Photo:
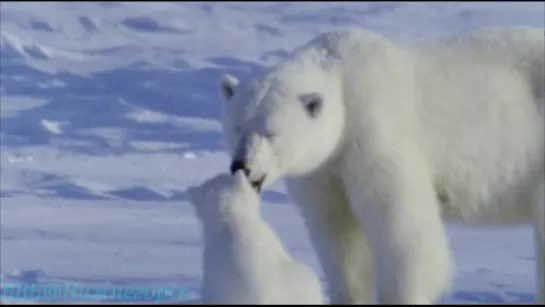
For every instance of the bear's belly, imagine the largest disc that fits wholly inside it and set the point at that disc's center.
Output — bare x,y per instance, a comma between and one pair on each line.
485,202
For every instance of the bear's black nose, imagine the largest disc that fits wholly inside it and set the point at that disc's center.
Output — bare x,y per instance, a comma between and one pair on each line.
239,165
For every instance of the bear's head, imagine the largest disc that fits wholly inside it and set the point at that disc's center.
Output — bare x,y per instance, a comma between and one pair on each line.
287,123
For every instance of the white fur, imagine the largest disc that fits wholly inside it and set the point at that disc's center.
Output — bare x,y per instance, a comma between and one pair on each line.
244,261
408,134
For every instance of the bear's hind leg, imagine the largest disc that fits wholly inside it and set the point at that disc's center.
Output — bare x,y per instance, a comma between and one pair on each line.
539,230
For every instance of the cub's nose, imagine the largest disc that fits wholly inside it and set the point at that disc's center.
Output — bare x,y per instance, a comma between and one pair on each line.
239,165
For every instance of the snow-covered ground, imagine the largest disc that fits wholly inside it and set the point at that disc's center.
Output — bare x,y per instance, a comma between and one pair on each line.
110,110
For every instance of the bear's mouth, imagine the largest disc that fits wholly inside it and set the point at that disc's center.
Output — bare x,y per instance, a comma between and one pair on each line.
257,185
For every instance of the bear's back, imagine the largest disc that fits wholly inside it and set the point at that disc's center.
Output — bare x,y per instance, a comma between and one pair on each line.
521,49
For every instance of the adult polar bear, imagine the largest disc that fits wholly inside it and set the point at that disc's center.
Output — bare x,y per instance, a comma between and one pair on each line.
379,140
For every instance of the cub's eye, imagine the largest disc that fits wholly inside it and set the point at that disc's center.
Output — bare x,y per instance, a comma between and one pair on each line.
238,130
270,135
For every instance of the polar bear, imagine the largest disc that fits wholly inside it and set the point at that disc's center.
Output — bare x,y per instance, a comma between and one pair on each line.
244,261
378,141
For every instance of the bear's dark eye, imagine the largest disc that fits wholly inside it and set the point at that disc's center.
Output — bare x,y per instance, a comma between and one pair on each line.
312,102
313,106
238,130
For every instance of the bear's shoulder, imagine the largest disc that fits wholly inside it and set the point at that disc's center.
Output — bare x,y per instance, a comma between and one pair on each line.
342,38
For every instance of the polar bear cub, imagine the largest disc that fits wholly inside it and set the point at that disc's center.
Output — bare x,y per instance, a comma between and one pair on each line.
244,261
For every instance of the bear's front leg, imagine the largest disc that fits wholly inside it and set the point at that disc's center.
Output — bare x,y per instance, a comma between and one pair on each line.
336,236
394,200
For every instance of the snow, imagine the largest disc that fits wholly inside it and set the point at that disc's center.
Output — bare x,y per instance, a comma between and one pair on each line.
109,111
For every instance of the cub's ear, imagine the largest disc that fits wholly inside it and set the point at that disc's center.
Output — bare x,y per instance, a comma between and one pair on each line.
313,103
228,85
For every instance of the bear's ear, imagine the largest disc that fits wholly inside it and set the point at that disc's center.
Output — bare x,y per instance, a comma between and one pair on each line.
313,103
228,85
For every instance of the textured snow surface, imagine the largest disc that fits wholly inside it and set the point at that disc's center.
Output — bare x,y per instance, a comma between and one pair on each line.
110,110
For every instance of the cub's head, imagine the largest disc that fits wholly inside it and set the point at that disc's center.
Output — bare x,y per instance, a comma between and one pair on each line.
223,198
287,123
